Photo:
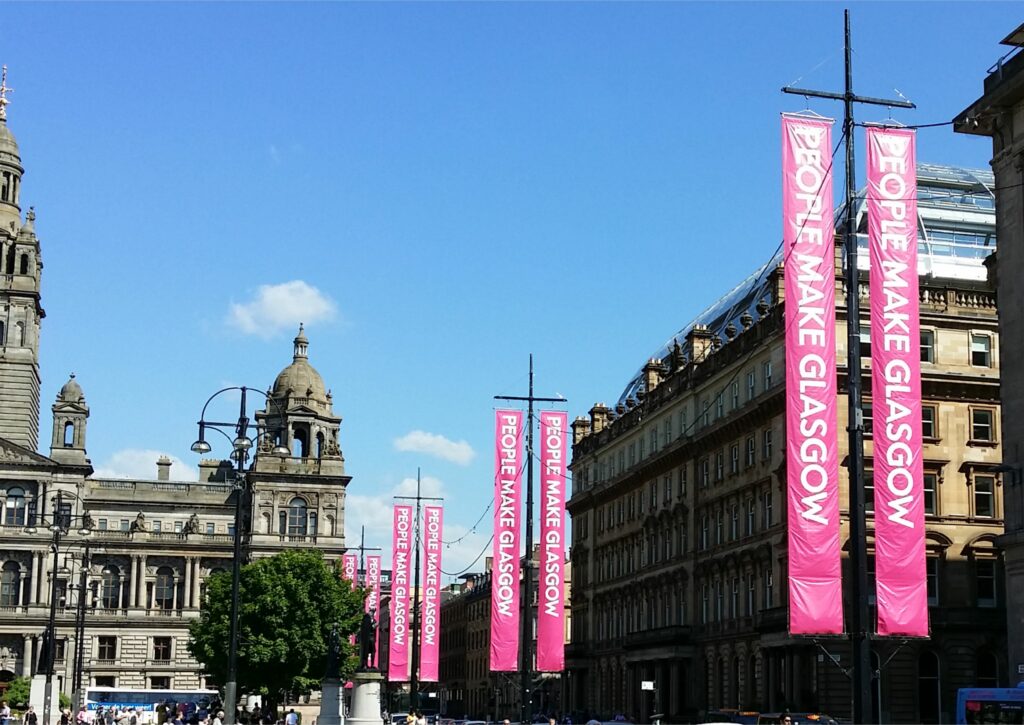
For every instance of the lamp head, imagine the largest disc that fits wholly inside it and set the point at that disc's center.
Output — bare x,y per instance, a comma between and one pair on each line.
200,447
242,443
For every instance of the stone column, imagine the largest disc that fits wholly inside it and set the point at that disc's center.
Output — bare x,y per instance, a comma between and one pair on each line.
142,581
26,658
187,604
33,595
133,583
196,600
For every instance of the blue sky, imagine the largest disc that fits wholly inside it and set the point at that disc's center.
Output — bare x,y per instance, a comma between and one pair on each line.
437,190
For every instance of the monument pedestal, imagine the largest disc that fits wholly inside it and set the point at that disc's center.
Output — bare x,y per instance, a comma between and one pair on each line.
332,704
365,708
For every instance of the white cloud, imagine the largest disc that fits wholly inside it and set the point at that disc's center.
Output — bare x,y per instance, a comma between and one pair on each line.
277,307
436,445
140,464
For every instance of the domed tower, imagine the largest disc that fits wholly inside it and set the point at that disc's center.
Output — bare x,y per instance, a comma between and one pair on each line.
20,308
69,415
300,416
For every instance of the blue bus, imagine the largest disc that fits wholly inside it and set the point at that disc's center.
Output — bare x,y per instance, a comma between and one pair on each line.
1004,705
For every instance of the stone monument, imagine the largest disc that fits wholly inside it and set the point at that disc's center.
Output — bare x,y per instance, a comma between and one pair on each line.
332,691
367,679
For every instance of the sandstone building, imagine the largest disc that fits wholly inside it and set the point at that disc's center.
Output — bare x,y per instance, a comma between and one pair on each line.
678,508
152,543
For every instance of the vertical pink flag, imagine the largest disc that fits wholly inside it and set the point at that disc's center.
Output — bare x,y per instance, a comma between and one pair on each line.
372,604
430,634
812,459
350,570
398,649
902,587
551,606
508,478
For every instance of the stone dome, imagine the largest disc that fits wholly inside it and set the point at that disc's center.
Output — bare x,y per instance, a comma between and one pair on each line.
71,392
300,377
7,141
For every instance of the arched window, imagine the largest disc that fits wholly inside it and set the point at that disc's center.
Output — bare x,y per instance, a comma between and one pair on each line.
986,672
297,522
14,507
319,445
266,524
110,594
329,529
10,584
10,259
69,434
928,691
312,523
164,588
300,443
24,264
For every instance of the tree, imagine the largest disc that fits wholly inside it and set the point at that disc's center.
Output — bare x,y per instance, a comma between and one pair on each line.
18,692
288,604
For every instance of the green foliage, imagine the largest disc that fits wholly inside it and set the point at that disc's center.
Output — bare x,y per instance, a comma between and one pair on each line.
65,701
18,692
287,606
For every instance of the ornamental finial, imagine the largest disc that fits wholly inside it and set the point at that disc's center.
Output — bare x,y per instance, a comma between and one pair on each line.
4,90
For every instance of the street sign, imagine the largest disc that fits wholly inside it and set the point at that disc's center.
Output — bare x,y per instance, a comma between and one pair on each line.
647,685
1020,669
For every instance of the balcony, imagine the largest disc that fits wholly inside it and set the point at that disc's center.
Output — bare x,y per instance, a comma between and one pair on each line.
672,635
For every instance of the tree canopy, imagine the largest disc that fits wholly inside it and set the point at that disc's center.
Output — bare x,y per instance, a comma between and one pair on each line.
288,604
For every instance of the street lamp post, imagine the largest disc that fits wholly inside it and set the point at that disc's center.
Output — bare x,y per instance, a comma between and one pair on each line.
83,583
59,525
241,445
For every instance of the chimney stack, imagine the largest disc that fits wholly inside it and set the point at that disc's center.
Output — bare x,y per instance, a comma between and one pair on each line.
163,469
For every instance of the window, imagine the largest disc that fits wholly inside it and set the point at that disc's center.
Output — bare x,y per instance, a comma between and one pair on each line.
158,526
932,574
104,681
766,508
719,601
719,466
110,591
718,528
766,373
750,451
705,472
750,595
102,524
683,428
162,649
735,598
125,525
734,522
751,385
704,604
654,493
927,346
666,484
865,341
734,391
986,670
928,416
868,415
766,444
163,588
64,515
931,493
981,351
719,407
750,516
211,528
160,683
10,584
106,648
928,690
703,532
297,516
769,589
179,527
734,459
14,507
985,579
982,428
984,496
682,480
869,490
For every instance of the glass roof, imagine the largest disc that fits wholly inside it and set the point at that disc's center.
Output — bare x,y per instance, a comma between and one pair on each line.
956,231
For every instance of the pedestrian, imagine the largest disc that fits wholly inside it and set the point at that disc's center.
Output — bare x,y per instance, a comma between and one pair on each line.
218,719
420,720
5,713
291,718
30,717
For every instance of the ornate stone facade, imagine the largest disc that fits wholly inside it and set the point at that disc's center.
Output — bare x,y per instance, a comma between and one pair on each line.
678,508
153,543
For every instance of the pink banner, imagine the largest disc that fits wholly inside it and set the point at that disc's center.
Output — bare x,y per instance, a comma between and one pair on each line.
398,648
551,607
430,642
372,604
812,460
902,586
508,477
350,568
